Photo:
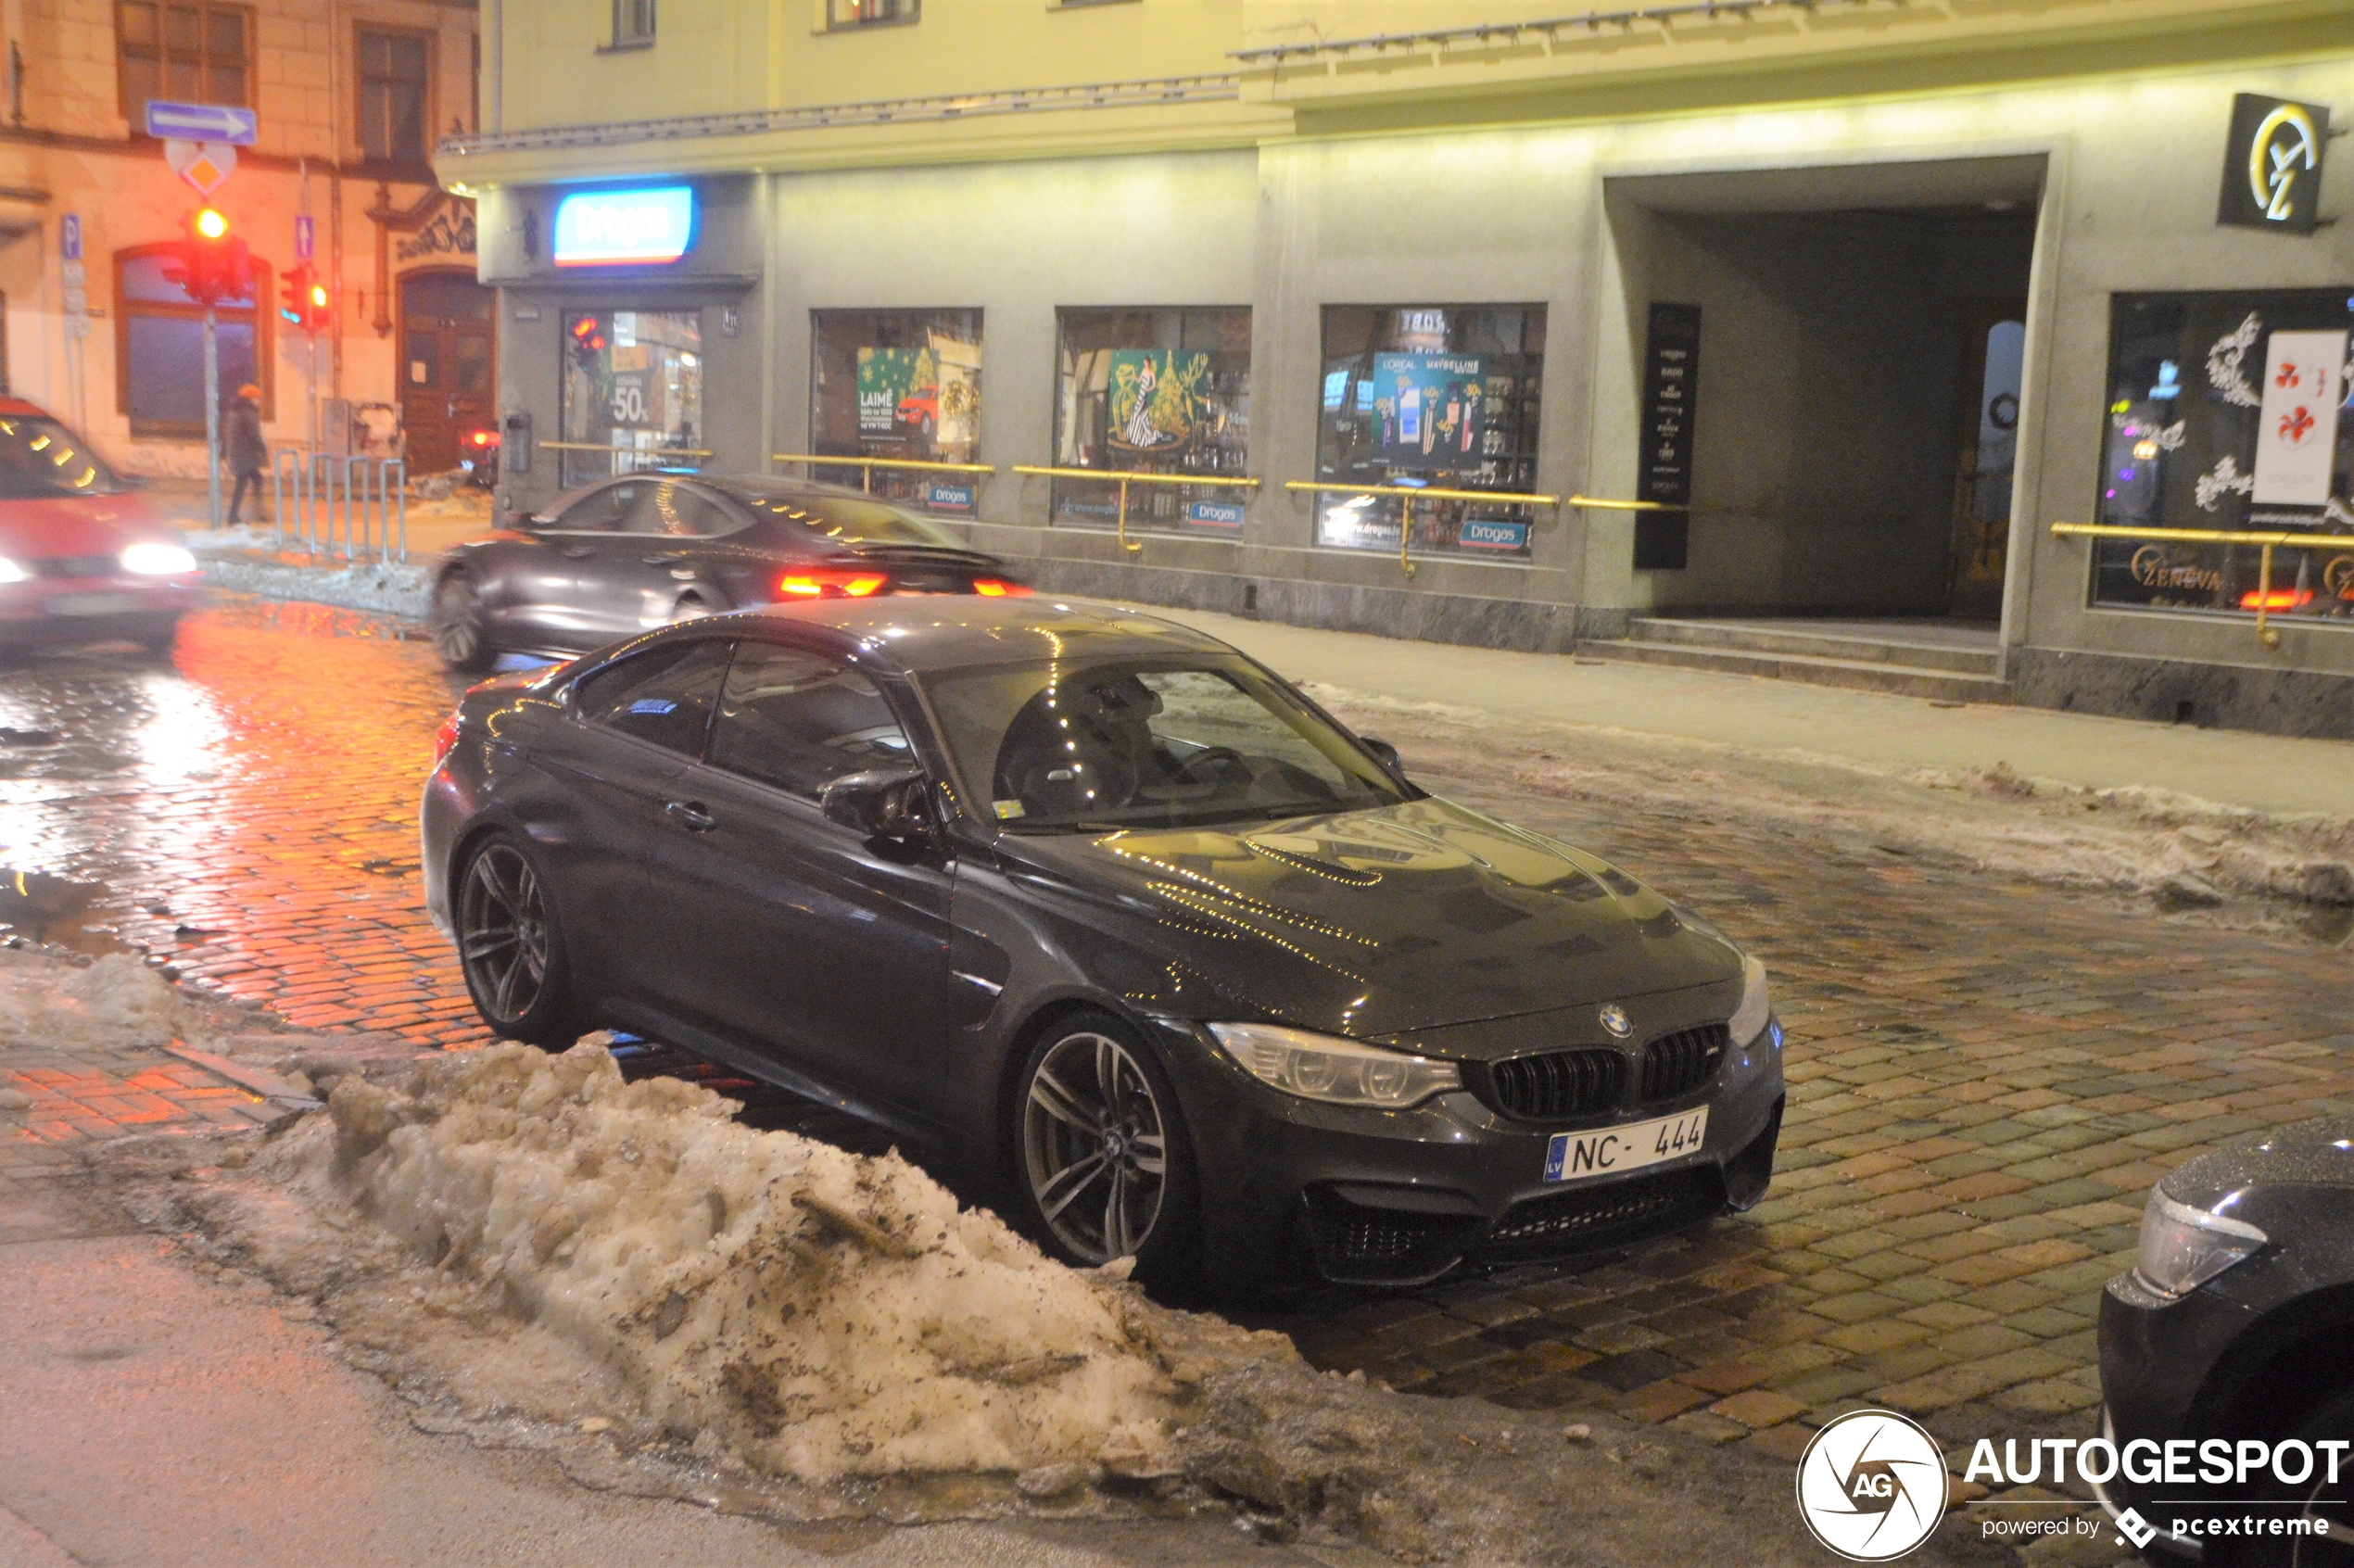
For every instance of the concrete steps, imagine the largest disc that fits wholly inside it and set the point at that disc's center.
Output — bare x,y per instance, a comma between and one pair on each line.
1924,661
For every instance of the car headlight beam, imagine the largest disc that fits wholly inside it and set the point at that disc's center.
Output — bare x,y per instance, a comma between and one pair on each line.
10,571
2184,1247
1340,1072
151,559
1756,1004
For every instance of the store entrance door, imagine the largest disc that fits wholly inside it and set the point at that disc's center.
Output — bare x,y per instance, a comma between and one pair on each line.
448,369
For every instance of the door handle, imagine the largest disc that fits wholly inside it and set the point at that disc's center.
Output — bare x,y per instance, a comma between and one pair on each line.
575,552
661,560
690,814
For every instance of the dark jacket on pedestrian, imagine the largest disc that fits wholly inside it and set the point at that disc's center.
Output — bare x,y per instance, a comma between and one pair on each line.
242,446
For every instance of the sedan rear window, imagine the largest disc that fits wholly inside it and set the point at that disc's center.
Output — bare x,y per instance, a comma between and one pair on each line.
851,520
1147,744
39,457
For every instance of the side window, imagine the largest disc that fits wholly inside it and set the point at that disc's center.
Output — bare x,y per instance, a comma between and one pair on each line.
600,510
800,722
663,695
673,508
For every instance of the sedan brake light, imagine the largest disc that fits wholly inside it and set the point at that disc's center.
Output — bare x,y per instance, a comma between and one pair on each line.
822,584
998,587
445,737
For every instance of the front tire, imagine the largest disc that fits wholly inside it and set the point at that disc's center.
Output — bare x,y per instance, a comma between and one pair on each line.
2316,1499
511,947
461,629
1102,1167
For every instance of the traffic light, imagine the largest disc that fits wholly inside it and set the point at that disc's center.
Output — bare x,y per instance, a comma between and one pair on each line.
293,294
211,264
588,342
303,300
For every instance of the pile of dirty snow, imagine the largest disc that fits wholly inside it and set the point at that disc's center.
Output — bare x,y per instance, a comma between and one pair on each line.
817,1313
390,587
117,1001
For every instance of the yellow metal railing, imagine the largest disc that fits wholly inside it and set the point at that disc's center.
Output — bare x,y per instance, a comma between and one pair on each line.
2266,543
1412,493
1596,503
1126,477
866,465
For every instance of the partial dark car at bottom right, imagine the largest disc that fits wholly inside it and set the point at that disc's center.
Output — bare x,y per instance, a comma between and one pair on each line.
2228,1350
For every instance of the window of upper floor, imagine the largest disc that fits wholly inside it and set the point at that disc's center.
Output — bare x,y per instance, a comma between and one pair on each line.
199,54
844,16
633,24
394,78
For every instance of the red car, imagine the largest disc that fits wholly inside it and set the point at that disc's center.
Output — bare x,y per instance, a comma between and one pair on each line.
83,558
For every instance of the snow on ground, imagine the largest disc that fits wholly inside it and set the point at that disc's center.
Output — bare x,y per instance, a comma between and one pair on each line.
539,1256
2179,850
388,588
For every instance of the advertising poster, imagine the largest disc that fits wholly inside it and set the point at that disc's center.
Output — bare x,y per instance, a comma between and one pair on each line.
1431,409
890,381
1155,400
2296,423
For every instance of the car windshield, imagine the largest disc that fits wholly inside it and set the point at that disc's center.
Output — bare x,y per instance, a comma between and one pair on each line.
847,520
39,457
1145,743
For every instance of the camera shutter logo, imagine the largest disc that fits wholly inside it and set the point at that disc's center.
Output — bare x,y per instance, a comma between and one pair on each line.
1871,1486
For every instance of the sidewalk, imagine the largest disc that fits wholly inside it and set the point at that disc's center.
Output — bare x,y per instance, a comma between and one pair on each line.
2231,768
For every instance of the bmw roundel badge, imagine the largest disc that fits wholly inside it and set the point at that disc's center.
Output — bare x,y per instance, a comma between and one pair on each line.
1615,1020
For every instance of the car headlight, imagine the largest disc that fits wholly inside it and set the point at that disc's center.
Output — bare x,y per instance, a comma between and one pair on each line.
148,559
2184,1247
1756,1005
10,571
1341,1072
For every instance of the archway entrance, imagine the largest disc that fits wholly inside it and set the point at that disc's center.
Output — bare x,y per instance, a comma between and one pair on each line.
449,364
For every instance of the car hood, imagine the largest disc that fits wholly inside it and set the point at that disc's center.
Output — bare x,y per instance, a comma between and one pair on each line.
1373,923
46,526
2319,1153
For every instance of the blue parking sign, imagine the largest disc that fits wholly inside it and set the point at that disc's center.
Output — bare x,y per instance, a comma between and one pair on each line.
302,238
69,236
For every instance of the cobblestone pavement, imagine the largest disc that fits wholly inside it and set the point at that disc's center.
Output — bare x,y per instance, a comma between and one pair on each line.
1986,1076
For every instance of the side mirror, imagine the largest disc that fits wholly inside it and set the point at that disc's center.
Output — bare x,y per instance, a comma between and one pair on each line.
886,803
1386,754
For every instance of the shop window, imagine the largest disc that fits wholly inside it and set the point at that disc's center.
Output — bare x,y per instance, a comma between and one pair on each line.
2227,411
1154,391
393,73
632,384
160,345
183,54
846,13
1442,396
633,24
899,385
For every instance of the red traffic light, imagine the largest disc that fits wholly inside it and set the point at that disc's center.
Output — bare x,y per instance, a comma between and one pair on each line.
211,264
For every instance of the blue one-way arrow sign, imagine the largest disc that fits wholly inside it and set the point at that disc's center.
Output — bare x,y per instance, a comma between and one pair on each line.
201,122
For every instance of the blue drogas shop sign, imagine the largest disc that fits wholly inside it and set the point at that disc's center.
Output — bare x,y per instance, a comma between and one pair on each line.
624,228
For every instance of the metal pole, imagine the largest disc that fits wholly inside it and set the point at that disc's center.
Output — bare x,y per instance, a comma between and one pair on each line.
213,412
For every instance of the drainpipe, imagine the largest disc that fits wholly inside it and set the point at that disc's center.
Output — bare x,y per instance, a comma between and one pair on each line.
492,114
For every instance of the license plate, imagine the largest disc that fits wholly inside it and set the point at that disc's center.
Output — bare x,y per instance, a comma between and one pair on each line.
91,603
1606,1151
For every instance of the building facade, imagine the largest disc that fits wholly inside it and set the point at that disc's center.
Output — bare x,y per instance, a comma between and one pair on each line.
1851,301
348,99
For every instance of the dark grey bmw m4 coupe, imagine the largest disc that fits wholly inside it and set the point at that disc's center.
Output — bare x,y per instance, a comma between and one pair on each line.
1128,934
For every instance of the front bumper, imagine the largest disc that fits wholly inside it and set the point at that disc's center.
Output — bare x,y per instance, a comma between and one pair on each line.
63,610
1293,1187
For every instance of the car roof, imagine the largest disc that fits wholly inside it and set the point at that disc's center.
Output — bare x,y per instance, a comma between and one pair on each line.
918,633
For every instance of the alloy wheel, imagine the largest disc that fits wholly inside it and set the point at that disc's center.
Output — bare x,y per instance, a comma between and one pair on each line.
1094,1146
457,624
503,934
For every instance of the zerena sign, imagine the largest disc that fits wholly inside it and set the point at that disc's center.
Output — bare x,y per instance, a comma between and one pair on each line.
624,228
2272,172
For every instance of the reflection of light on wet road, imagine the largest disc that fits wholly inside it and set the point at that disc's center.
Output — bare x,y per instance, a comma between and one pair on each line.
250,815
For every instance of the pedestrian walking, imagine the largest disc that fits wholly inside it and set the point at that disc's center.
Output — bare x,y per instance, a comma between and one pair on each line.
244,450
